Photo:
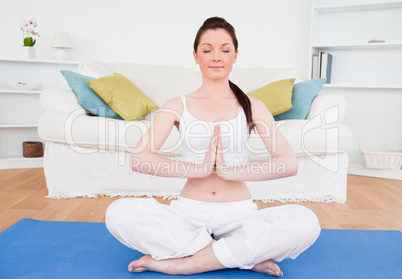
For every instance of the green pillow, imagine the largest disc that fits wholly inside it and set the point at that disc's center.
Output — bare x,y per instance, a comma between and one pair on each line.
277,96
123,96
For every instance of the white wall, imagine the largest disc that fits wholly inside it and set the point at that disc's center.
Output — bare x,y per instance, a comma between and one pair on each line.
270,33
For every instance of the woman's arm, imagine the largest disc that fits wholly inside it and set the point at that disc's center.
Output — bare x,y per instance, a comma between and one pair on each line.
145,159
282,162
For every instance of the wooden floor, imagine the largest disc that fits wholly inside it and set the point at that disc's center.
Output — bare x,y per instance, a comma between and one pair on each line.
372,203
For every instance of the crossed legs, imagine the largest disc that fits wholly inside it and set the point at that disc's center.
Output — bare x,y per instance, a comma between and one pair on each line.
183,246
202,261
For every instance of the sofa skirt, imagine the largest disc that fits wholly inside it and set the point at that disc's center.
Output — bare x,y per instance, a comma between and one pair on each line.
73,171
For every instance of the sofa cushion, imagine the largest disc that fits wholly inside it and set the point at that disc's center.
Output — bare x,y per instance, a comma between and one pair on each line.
160,83
86,96
302,97
96,69
277,96
60,100
328,106
123,96
252,78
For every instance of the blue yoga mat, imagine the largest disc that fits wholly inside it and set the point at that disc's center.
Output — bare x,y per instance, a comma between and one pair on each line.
48,249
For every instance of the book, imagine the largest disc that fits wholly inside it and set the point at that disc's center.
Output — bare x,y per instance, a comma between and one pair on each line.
314,72
319,63
326,65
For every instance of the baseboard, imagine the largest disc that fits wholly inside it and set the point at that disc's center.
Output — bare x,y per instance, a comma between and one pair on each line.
21,163
359,169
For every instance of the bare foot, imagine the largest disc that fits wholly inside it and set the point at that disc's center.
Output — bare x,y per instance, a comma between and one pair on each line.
202,261
140,265
167,266
268,267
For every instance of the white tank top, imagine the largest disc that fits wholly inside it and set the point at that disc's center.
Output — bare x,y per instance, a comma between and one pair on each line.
196,135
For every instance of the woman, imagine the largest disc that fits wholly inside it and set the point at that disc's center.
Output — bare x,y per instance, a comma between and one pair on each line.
213,224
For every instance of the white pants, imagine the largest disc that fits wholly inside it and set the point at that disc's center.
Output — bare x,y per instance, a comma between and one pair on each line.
245,236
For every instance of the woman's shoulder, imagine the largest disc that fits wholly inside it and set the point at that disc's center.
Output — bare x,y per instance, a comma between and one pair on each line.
177,102
174,106
253,100
173,102
256,104
258,109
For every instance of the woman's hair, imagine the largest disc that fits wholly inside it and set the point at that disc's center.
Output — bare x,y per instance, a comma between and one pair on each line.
220,23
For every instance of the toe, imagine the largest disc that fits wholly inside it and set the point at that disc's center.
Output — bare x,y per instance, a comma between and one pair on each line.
137,270
131,266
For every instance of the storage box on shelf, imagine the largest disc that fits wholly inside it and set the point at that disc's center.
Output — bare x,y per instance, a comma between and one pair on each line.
20,110
366,74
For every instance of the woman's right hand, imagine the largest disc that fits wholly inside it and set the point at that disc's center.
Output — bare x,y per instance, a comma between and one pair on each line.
211,155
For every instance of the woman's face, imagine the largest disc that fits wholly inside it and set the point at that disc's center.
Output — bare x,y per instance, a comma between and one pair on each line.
215,54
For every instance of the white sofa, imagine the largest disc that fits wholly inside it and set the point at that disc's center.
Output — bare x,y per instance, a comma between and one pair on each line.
89,156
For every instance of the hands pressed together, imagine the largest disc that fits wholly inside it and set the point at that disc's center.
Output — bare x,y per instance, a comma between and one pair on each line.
214,161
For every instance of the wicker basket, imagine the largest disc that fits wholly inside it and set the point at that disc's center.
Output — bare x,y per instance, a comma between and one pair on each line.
382,159
32,149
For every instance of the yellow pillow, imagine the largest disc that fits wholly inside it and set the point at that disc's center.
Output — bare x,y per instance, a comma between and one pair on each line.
123,96
277,96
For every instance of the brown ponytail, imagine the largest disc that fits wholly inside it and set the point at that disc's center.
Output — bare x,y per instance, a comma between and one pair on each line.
216,23
243,99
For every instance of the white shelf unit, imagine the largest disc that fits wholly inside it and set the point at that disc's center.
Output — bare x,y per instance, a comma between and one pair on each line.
20,110
359,46
20,91
362,86
19,125
364,6
368,75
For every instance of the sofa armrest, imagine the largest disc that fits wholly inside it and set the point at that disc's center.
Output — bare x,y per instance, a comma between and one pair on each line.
60,100
331,107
